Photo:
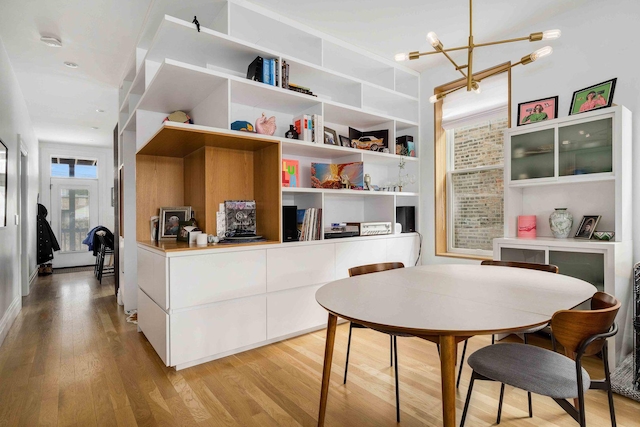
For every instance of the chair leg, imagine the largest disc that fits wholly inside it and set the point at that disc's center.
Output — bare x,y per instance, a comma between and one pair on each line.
395,351
464,350
493,339
554,345
530,405
581,414
438,347
500,403
607,377
466,403
391,349
346,364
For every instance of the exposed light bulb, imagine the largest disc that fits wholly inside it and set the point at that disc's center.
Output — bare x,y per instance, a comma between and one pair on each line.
401,57
434,98
587,135
433,39
541,53
475,86
581,132
551,34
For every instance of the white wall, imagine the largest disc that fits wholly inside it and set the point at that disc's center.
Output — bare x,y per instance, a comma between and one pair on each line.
597,44
15,123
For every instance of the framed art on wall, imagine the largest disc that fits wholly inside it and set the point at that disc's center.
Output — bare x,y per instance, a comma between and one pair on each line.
4,156
537,111
170,218
593,97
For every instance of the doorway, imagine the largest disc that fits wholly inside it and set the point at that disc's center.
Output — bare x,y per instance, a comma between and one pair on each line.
74,206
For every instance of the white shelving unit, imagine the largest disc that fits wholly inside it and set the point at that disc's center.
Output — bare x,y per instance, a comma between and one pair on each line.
582,163
175,67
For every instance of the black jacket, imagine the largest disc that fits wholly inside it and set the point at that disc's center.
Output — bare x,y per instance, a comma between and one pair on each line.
47,242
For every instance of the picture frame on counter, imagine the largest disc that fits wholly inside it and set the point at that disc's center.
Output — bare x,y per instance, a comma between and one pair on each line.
170,218
587,226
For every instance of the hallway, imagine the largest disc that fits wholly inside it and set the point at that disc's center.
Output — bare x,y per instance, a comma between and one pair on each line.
72,359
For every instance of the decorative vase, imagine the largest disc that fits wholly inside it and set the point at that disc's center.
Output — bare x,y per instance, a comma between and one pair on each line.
560,222
291,133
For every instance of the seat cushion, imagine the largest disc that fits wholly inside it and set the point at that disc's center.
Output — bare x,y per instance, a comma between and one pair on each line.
529,368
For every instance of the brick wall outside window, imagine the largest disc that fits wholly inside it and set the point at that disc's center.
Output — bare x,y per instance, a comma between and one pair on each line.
478,196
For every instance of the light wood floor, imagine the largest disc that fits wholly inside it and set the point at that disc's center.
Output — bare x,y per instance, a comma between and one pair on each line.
71,359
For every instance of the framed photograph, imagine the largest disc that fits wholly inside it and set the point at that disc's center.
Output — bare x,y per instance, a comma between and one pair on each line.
587,226
536,111
345,141
330,136
593,97
170,218
4,156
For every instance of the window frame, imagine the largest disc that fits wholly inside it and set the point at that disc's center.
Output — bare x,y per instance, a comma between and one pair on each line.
82,158
442,179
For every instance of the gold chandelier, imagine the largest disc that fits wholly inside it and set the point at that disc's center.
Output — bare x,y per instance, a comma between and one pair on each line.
472,84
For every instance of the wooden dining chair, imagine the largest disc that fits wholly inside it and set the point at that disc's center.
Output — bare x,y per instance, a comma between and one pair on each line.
541,371
530,266
368,269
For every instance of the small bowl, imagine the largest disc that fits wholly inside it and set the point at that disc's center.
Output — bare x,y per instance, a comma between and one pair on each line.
603,235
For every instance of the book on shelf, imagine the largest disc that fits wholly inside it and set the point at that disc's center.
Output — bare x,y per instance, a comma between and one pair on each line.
266,71
255,69
311,224
304,126
299,89
285,75
272,72
317,126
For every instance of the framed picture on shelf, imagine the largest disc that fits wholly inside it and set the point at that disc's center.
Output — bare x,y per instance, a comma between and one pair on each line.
587,226
345,141
170,218
4,156
330,136
593,97
536,111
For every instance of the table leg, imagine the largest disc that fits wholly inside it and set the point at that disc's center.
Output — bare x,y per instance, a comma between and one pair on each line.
448,379
326,370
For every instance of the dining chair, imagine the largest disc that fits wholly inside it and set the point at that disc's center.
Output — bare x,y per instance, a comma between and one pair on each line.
393,351
530,266
545,372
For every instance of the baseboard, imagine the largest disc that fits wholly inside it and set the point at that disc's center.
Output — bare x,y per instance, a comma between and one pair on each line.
9,317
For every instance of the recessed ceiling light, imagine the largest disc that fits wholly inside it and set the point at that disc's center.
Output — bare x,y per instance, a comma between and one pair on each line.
71,64
581,132
99,111
566,142
51,41
587,136
95,127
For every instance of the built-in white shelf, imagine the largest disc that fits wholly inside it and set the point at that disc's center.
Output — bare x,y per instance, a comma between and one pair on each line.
345,192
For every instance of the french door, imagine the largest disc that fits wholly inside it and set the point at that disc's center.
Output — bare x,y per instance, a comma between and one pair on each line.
74,211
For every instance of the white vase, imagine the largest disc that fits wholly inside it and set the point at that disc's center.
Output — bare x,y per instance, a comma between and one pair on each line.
560,222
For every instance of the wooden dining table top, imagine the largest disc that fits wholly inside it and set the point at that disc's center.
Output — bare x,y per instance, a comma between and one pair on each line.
453,299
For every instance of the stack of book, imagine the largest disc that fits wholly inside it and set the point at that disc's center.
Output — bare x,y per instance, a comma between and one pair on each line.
265,71
309,128
310,228
291,86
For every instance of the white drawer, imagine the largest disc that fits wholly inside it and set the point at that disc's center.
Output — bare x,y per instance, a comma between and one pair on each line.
352,254
300,266
152,277
294,310
403,249
217,328
203,279
154,323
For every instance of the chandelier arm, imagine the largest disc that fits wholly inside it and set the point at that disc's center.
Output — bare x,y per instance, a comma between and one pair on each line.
470,50
433,52
519,39
454,63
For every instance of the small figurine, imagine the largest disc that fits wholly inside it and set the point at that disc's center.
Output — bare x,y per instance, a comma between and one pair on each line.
266,126
291,133
344,180
367,182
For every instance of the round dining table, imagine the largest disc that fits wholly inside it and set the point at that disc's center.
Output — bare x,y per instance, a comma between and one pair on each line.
446,304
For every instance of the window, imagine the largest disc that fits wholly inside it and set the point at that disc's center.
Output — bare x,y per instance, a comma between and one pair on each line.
469,165
74,168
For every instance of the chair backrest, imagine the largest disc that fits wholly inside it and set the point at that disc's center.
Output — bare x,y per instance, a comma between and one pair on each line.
374,268
531,266
572,327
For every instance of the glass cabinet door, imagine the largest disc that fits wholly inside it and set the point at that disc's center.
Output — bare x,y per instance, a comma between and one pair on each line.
586,266
522,255
586,148
532,155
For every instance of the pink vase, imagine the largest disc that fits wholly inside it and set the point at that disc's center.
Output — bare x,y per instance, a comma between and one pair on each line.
527,226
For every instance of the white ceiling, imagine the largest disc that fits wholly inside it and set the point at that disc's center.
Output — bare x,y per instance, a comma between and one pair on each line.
100,36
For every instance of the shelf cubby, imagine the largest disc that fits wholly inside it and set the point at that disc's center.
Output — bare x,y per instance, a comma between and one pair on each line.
389,103
271,33
407,83
367,206
358,65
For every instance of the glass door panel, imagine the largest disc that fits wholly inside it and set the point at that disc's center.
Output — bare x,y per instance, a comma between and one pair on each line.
74,219
522,255
586,266
586,148
532,155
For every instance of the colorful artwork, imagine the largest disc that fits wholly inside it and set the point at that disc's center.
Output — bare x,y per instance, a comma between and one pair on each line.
328,175
593,97
290,173
537,111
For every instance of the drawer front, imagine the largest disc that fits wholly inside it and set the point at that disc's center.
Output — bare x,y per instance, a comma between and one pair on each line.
152,277
404,250
352,254
300,266
217,328
204,279
154,323
294,310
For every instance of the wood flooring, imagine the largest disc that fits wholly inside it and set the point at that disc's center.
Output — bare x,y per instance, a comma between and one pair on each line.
71,359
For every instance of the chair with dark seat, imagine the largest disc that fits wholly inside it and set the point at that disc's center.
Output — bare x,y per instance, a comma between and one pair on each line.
545,372
101,269
531,266
368,269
